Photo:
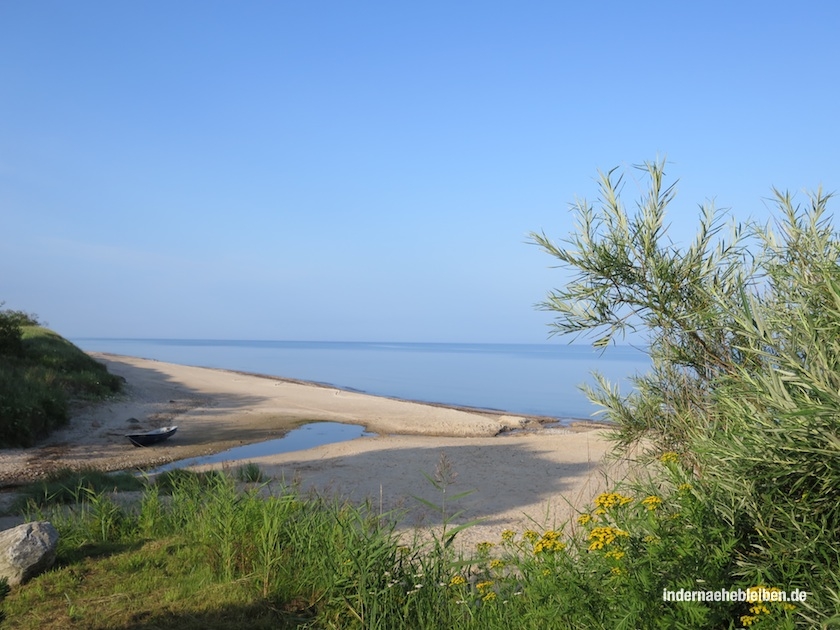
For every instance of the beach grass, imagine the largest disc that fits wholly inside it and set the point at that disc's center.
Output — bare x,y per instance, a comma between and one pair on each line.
208,552
41,376
66,487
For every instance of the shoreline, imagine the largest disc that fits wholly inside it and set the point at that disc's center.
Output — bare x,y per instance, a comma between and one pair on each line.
572,422
539,379
218,409
517,471
490,411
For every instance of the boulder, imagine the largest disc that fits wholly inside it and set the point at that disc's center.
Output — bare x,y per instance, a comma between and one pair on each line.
26,551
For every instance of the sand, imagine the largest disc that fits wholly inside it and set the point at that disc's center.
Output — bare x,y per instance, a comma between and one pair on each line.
518,473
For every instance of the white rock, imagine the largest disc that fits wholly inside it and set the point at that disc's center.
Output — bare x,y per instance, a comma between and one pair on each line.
27,550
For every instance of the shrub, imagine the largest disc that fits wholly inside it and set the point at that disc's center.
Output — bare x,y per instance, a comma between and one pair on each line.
11,336
742,335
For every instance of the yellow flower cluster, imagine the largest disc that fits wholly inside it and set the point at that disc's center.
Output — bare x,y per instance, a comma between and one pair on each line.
616,571
608,500
652,502
756,610
483,586
484,547
760,607
457,580
530,535
684,487
495,563
550,541
669,458
615,554
489,597
583,519
602,536
508,535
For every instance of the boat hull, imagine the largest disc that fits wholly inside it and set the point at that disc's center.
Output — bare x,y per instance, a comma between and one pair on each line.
151,437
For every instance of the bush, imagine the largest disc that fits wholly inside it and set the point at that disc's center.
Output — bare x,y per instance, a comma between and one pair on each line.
744,387
11,336
21,318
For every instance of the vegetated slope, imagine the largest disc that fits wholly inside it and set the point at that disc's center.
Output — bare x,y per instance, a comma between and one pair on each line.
41,373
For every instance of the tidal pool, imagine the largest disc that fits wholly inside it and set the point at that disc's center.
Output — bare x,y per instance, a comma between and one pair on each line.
302,438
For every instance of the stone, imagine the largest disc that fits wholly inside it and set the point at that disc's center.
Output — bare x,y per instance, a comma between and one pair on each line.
27,550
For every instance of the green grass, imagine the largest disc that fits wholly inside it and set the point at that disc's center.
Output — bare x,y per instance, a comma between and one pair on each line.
39,381
250,473
66,486
210,555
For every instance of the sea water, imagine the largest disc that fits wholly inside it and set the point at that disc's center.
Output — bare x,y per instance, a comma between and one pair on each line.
534,379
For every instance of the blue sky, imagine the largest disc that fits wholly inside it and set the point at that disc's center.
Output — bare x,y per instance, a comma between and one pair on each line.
370,170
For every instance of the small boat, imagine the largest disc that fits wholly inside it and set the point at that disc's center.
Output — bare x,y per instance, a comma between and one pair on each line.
152,437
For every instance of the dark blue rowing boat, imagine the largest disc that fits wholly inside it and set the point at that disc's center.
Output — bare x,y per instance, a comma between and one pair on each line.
152,437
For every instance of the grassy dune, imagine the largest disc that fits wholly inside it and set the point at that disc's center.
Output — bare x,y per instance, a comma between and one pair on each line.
39,379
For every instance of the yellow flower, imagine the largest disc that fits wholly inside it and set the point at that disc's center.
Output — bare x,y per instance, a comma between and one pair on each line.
546,572
747,620
489,597
600,511
604,536
669,458
495,563
508,535
583,519
608,500
616,571
652,502
530,535
684,487
457,580
484,547
550,541
549,545
614,553
483,586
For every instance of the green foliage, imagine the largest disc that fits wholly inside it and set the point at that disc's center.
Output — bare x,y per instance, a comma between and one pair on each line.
11,330
40,374
4,590
250,473
20,318
444,477
66,487
744,383
212,556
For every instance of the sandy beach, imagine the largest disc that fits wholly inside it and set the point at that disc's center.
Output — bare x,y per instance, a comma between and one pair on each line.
519,472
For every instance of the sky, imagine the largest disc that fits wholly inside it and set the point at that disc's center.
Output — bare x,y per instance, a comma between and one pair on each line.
370,171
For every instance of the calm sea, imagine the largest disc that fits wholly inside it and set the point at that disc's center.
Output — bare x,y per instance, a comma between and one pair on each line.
539,379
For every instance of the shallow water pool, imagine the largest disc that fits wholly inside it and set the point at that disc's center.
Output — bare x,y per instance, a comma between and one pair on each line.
302,438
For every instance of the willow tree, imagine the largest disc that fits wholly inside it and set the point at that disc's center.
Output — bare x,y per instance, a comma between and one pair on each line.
743,330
